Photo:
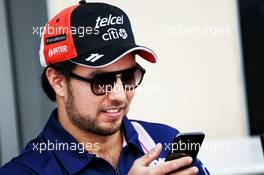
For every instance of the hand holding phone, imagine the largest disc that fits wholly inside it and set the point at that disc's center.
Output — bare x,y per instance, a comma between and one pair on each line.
140,166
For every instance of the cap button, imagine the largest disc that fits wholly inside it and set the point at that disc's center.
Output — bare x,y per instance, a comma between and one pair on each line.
82,2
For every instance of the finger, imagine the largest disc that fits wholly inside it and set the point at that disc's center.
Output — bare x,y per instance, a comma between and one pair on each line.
150,156
188,171
173,165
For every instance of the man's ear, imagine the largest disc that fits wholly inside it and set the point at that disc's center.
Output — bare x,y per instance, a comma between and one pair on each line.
57,81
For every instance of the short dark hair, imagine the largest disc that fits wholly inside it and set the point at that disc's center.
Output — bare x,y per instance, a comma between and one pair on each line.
60,67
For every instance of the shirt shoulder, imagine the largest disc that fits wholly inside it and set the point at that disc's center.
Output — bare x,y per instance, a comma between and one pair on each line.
31,161
21,164
15,168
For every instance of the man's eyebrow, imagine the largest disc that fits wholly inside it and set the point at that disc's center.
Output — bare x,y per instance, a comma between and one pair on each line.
95,72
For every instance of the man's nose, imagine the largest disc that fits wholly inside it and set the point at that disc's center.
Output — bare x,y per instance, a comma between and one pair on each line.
118,93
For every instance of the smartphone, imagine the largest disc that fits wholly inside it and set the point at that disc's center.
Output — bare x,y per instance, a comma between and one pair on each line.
262,142
185,144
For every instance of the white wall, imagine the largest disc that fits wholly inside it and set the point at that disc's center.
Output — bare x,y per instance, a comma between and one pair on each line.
197,83
8,126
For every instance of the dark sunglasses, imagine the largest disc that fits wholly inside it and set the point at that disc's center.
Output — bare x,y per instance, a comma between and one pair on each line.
104,83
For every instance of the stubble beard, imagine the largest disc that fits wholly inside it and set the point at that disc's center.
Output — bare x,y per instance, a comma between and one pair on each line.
87,122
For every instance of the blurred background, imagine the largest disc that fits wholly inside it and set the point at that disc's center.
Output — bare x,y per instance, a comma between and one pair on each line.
208,77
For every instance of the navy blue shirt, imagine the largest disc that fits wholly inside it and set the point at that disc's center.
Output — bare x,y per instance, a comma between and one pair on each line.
55,151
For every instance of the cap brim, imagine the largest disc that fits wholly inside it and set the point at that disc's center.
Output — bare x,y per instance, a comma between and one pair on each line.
108,55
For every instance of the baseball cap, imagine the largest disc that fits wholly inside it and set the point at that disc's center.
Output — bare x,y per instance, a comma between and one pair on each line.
91,35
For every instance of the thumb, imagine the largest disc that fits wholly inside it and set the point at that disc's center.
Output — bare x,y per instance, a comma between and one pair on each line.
150,156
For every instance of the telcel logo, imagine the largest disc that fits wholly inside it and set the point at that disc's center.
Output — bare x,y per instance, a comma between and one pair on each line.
111,20
57,50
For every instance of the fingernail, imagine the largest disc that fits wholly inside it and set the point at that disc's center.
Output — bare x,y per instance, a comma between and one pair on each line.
158,145
195,170
189,159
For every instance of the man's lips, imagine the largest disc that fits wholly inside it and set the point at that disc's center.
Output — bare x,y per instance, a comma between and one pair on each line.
113,109
114,112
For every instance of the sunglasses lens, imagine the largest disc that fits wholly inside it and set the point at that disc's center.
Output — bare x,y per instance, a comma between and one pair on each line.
103,84
131,79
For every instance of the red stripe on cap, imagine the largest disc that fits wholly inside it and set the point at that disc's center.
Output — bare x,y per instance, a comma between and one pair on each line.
59,25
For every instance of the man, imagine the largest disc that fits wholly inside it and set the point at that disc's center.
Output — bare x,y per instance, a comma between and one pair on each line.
92,79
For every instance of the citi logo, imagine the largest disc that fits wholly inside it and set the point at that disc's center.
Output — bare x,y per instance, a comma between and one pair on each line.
94,57
111,20
113,33
57,50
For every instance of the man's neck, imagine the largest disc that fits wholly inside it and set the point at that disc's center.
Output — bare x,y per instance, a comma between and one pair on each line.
106,147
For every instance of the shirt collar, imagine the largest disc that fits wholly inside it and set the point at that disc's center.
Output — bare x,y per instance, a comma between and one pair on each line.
74,160
131,135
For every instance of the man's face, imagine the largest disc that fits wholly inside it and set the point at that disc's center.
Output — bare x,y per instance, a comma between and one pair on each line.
101,115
